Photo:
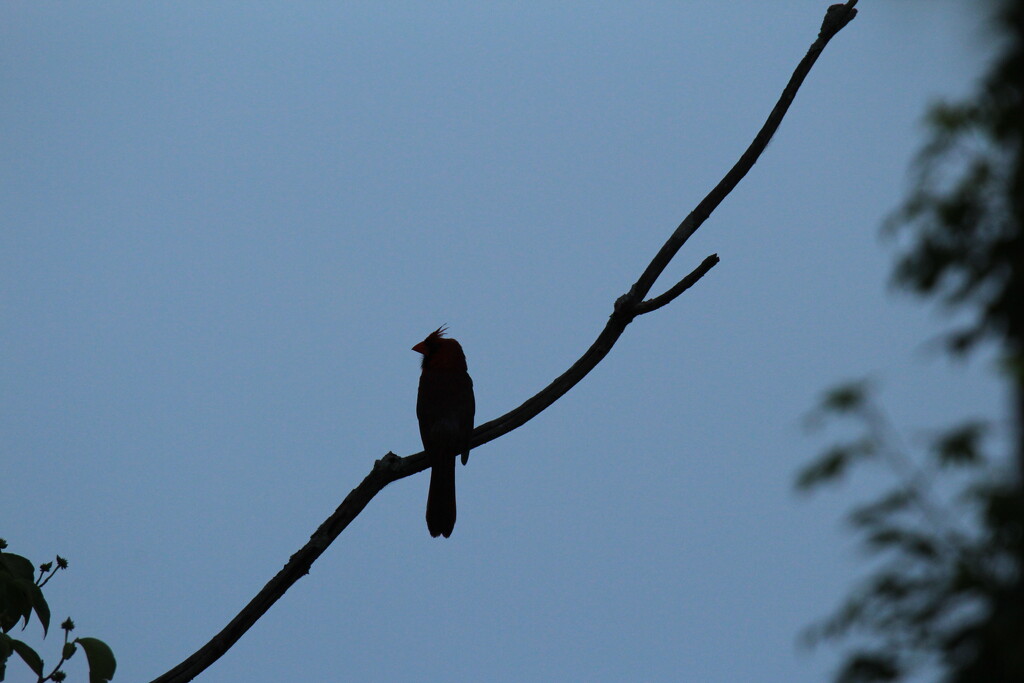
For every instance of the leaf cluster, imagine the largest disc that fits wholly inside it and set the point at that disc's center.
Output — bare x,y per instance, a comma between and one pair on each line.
944,591
961,223
21,596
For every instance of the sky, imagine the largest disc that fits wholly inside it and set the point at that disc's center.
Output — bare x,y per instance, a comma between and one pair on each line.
224,225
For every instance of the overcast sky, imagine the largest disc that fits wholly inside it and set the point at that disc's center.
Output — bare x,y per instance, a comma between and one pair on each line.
223,226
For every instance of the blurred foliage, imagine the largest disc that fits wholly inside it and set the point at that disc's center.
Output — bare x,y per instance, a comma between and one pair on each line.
961,224
945,597
941,593
21,596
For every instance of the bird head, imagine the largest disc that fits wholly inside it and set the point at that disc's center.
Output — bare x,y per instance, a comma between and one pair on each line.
440,352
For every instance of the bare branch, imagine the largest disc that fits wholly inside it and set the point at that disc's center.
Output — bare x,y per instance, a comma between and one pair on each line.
836,17
392,468
678,288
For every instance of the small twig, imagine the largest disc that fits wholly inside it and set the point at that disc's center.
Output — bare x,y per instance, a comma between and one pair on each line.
914,479
678,288
63,658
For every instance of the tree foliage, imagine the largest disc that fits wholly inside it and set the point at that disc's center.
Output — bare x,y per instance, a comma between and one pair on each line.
947,591
962,219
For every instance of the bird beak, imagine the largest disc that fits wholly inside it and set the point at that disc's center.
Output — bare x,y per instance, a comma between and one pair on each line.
420,348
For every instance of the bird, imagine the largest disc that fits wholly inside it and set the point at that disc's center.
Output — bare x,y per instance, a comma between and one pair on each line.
445,407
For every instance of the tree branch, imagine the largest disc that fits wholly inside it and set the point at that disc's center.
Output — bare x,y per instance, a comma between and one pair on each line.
836,18
678,288
392,467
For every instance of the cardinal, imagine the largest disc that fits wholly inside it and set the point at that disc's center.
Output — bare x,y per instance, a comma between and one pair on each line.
444,407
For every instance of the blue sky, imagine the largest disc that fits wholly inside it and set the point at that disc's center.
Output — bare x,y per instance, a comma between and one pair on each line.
224,226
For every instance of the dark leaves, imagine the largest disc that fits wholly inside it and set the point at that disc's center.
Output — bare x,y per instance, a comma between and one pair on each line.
21,596
832,464
870,667
101,659
29,656
960,446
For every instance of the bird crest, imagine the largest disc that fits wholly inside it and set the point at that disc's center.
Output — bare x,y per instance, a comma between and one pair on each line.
437,334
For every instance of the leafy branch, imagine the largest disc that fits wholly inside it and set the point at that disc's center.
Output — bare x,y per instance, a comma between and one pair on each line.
929,597
21,596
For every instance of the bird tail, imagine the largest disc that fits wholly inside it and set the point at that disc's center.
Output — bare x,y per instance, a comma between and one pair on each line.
441,498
